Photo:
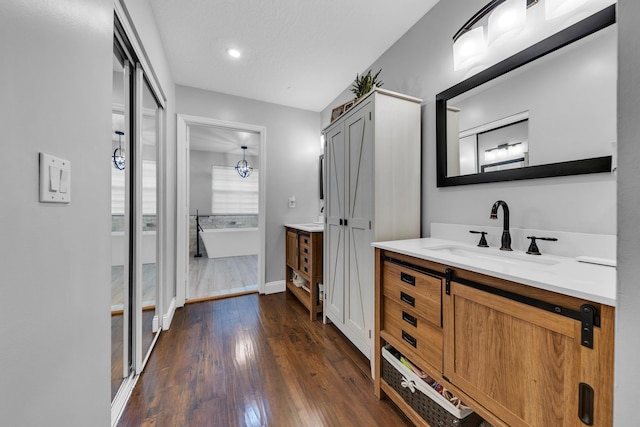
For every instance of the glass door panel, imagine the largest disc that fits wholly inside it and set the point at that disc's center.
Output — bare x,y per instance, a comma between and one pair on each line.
120,191
149,218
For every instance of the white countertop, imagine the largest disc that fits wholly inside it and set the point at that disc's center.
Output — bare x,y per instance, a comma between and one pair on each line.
311,227
559,274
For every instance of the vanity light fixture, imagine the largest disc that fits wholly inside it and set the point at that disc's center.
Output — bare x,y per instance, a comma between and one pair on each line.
505,17
468,48
243,167
118,153
504,151
556,8
234,53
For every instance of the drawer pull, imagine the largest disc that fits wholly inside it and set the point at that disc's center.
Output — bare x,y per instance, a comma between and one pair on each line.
408,338
409,319
306,251
407,278
408,299
306,270
306,241
306,260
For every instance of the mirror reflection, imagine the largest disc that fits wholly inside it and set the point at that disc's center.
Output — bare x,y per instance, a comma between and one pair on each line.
558,108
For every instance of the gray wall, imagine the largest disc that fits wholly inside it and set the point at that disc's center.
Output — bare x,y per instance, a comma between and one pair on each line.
293,146
55,259
421,64
627,372
200,163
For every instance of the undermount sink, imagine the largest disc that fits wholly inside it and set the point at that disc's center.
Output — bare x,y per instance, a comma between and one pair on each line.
487,254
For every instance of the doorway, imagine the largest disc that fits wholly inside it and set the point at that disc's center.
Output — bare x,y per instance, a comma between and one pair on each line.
221,233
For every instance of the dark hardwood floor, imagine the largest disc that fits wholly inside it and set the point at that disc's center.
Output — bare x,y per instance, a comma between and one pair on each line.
255,360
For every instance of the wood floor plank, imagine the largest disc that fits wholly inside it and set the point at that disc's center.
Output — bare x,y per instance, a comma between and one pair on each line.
255,360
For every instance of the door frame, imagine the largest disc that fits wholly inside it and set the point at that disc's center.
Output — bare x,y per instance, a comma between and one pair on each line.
182,208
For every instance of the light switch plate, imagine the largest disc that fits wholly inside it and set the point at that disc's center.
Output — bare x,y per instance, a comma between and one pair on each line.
55,179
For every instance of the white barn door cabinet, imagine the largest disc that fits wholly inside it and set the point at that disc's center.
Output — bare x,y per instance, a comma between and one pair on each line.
372,157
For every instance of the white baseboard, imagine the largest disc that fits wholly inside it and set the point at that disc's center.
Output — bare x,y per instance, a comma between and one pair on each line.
275,287
168,316
155,324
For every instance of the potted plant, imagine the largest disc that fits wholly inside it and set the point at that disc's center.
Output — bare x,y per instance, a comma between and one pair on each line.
363,84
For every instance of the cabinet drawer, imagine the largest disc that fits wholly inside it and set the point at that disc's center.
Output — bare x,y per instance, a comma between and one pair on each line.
305,239
413,331
305,246
410,288
304,266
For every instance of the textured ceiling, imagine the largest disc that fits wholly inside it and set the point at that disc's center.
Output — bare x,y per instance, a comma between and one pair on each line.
300,53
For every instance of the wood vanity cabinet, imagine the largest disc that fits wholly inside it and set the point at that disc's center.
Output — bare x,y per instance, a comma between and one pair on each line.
518,355
304,257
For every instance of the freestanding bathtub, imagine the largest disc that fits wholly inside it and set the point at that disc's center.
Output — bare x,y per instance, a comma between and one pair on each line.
226,242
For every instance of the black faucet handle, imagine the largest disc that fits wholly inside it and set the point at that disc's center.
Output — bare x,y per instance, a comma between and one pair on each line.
533,247
483,241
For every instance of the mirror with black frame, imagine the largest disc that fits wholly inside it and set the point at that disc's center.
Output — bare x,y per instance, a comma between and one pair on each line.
549,110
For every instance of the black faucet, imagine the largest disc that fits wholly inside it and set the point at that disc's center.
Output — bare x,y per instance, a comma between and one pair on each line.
506,237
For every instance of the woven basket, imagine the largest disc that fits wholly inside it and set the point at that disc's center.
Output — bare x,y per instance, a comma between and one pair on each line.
427,408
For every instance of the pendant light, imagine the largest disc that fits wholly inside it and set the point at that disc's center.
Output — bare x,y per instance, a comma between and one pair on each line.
118,153
243,167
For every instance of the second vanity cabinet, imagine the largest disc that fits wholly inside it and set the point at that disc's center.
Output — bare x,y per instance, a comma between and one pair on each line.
303,253
518,355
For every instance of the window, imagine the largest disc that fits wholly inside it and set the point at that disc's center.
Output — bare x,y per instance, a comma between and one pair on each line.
232,195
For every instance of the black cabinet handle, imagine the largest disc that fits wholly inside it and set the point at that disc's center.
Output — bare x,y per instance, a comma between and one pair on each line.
409,319
407,278
408,338
306,251
306,270
306,260
408,299
585,403
306,241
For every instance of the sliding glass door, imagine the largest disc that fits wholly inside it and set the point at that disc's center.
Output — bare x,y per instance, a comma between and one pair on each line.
137,123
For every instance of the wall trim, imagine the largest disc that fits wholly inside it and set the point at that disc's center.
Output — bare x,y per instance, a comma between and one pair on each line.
168,316
275,287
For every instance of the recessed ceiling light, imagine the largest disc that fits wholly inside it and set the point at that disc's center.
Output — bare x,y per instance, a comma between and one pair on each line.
234,53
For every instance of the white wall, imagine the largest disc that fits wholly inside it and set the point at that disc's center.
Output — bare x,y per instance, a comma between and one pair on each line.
293,147
421,64
144,22
55,85
627,372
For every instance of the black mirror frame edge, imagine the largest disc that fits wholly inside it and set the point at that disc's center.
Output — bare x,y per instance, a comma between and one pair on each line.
590,25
